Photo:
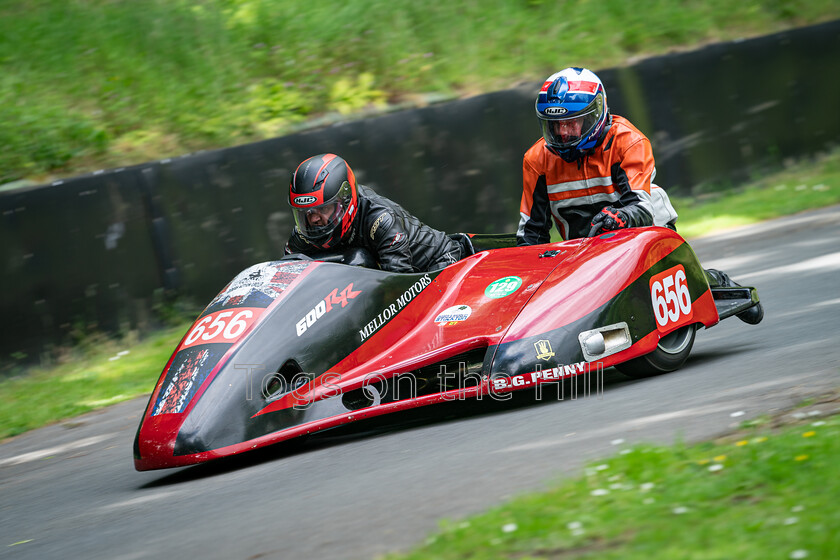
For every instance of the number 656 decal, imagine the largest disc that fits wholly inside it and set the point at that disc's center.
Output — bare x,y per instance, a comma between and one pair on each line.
670,298
222,326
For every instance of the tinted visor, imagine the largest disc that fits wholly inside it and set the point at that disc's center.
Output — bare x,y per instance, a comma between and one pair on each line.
569,131
317,223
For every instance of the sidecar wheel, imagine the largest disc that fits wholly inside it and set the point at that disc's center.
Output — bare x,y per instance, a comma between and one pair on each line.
671,352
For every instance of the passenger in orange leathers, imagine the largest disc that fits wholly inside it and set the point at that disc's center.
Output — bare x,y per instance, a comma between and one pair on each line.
592,171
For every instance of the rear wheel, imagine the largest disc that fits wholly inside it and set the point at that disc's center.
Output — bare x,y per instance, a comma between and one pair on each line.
671,352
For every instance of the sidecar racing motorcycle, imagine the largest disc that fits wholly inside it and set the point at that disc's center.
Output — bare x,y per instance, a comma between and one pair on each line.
297,346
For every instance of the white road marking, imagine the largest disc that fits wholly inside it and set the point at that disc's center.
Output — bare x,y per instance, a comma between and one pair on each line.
824,263
740,262
50,451
142,499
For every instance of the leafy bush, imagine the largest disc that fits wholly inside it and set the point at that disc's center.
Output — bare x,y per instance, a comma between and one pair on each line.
349,96
272,107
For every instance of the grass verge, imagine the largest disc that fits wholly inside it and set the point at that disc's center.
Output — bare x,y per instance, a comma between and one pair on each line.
808,184
764,491
87,85
103,375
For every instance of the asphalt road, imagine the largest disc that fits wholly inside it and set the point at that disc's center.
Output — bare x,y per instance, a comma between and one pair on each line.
71,491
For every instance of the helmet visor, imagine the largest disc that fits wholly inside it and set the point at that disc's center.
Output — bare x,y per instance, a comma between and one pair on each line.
316,223
569,131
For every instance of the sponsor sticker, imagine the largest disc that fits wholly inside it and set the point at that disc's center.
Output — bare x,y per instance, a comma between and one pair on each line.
304,200
555,111
187,372
376,224
325,306
544,351
539,376
258,285
454,315
503,287
393,308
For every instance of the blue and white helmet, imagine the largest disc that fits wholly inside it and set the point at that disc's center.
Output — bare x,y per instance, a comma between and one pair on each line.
572,109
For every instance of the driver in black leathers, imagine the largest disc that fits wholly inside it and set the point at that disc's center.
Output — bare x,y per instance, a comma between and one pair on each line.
332,213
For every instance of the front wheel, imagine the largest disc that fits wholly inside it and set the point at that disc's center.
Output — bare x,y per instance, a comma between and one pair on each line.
671,352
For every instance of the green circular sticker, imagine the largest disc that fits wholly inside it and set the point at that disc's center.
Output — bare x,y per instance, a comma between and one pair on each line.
503,287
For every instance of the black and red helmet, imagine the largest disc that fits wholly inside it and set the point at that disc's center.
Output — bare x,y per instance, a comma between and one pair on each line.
324,200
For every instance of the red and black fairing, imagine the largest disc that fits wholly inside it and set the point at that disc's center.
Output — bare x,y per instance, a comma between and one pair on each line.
331,343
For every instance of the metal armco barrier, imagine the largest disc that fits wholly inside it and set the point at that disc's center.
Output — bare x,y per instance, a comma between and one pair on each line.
97,251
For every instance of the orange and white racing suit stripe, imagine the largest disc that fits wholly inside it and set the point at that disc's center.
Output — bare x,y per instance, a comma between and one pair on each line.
617,172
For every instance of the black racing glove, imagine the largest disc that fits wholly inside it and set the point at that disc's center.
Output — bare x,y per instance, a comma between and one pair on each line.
608,219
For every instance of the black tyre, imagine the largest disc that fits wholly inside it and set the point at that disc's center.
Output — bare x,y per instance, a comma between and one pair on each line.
671,352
